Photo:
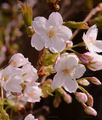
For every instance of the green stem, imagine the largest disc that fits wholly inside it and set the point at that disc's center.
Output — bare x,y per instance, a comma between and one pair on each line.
79,45
83,90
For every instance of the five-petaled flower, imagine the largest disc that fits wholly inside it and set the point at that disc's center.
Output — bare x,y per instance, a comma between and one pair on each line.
91,43
68,70
51,33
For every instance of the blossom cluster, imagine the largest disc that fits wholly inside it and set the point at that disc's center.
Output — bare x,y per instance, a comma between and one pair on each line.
19,78
52,34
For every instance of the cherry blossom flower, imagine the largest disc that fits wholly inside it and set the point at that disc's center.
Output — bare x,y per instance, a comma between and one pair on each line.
50,33
30,117
91,43
68,70
11,79
95,61
19,74
18,60
32,93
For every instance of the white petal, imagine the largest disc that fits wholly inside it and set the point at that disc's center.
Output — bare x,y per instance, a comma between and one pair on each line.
98,46
13,85
29,117
55,19
32,93
71,61
39,24
80,70
58,81
70,85
64,32
92,32
37,42
57,45
68,61
18,60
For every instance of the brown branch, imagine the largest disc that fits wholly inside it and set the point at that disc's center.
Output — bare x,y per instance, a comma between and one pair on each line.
89,16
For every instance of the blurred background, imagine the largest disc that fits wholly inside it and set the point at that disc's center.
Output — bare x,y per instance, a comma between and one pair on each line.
14,38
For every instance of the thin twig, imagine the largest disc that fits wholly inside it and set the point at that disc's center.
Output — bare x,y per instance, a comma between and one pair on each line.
89,16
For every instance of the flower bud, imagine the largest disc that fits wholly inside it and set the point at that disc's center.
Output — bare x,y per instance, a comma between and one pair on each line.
90,100
90,111
69,44
83,82
57,101
85,58
67,98
81,97
94,80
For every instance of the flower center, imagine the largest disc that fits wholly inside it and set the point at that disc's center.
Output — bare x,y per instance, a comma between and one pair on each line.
69,72
66,71
6,77
31,94
51,33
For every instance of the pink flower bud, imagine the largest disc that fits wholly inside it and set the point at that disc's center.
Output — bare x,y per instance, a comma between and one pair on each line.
67,98
90,111
85,58
90,101
81,97
94,80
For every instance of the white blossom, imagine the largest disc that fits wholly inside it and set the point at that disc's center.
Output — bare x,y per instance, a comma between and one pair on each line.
18,60
30,117
50,33
32,93
18,75
68,70
91,43
11,79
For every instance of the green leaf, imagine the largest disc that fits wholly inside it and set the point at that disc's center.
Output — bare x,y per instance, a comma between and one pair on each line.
27,14
76,25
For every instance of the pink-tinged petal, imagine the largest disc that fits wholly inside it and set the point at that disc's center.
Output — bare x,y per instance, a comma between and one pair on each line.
58,81
70,85
96,63
37,42
95,66
65,33
55,19
80,70
57,45
92,32
98,46
39,24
